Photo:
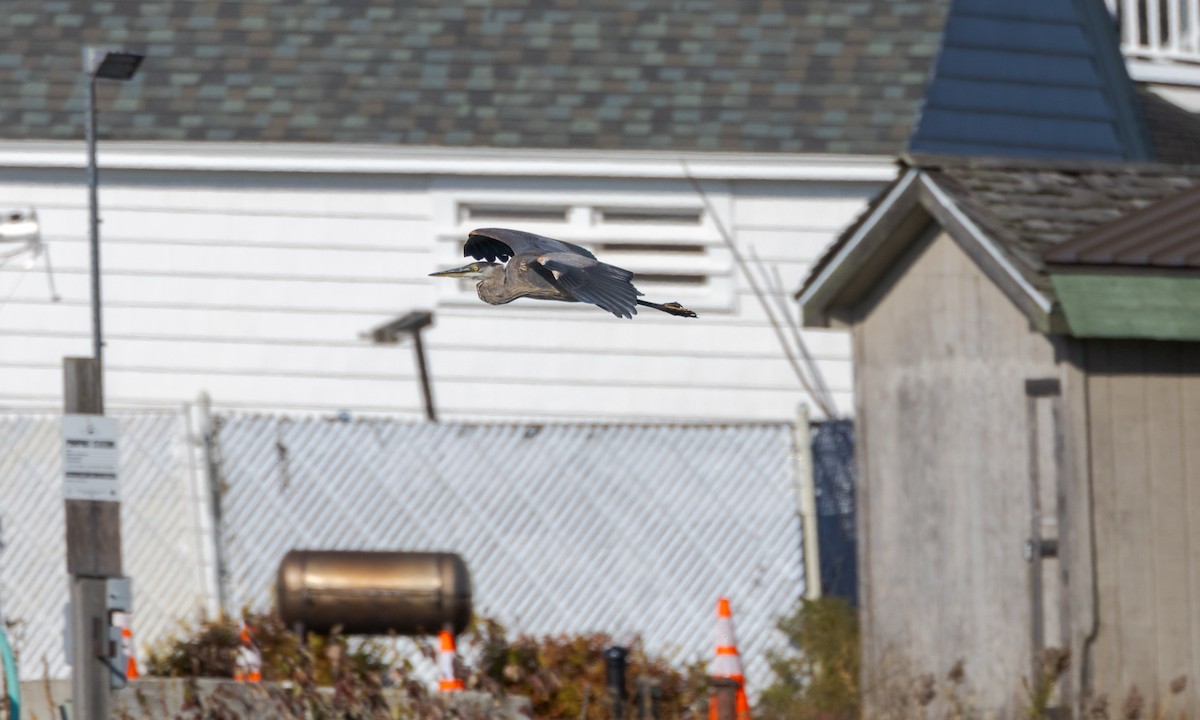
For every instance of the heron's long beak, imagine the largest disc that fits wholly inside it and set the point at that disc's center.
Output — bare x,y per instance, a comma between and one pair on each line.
465,271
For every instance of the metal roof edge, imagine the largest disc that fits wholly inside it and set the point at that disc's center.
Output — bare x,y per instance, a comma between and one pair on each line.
827,283
385,159
822,284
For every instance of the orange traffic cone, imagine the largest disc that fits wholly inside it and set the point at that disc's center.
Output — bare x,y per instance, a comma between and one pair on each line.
121,620
248,667
727,663
446,656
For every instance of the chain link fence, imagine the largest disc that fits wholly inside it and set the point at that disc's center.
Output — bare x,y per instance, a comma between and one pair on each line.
163,545
625,529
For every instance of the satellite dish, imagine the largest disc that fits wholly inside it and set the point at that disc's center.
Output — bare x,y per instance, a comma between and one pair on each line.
21,235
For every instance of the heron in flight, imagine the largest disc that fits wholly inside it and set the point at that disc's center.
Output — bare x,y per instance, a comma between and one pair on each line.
539,267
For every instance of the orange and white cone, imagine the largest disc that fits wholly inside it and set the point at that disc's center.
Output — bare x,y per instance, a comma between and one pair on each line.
121,620
248,666
446,656
727,663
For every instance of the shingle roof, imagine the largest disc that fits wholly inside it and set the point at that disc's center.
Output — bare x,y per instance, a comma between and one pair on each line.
1029,207
1174,132
835,76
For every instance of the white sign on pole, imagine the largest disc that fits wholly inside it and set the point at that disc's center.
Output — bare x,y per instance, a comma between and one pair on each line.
90,458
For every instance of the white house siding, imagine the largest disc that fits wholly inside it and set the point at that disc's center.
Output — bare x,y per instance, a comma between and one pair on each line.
250,276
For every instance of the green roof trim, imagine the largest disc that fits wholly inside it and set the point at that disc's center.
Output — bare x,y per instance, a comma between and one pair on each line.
1159,306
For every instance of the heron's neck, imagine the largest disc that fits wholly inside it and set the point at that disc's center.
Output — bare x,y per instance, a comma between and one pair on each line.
493,290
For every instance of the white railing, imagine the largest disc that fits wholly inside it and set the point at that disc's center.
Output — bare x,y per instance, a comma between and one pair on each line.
1165,33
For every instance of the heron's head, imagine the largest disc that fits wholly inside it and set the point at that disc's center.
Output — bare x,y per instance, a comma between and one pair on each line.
477,270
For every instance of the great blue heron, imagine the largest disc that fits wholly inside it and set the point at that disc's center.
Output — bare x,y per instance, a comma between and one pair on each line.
539,267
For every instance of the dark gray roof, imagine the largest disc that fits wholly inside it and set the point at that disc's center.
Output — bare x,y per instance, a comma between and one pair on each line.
1031,78
837,76
1174,132
1029,207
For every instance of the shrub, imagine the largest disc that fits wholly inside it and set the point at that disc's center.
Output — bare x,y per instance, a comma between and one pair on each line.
819,678
354,669
564,676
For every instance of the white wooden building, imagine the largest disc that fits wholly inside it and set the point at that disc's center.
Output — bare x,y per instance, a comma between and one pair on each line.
278,180
251,273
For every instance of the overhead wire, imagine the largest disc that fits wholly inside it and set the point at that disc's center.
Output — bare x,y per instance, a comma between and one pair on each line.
817,396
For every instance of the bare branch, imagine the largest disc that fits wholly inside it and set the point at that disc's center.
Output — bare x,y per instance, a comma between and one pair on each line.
783,299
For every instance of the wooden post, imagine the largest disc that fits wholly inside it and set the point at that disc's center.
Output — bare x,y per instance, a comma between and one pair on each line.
724,692
93,556
806,499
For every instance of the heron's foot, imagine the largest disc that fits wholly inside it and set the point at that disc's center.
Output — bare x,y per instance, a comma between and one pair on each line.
676,309
672,308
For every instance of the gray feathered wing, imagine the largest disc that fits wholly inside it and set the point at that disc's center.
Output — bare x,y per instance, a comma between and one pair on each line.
591,281
501,243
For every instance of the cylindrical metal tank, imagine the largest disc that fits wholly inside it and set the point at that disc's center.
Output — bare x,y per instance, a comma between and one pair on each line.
374,593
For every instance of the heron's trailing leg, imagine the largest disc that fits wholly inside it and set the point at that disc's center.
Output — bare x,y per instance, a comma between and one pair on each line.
672,308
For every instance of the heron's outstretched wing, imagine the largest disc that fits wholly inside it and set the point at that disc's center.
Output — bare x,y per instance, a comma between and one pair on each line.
591,281
491,243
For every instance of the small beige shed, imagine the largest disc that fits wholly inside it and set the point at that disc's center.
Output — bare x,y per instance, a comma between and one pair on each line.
1026,342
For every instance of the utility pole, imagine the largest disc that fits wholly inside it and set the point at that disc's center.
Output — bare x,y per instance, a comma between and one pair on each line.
93,556
90,451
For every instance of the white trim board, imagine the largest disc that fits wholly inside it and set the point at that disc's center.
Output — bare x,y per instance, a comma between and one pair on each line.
863,230
379,159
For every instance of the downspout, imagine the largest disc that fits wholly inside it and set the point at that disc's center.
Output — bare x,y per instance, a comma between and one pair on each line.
1085,661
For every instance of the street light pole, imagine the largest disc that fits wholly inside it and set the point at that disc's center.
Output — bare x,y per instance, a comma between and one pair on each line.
93,181
93,522
411,324
110,64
